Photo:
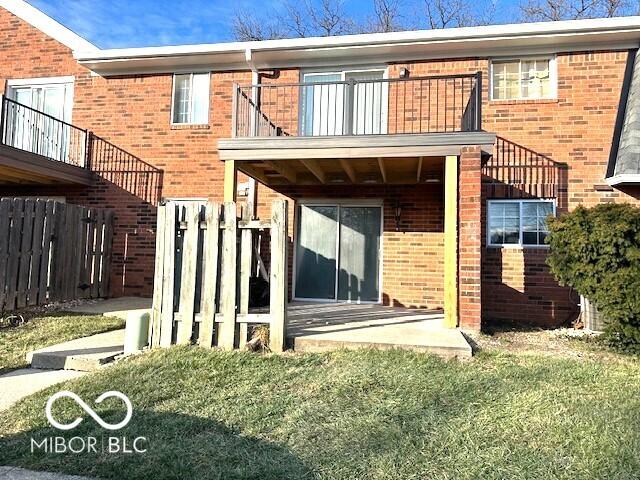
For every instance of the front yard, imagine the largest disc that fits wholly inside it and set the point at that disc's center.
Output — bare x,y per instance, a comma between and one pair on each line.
42,331
349,415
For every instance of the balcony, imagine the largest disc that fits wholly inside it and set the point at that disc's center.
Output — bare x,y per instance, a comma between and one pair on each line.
359,131
37,148
436,104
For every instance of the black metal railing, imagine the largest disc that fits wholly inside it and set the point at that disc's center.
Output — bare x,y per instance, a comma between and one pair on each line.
31,130
515,171
434,104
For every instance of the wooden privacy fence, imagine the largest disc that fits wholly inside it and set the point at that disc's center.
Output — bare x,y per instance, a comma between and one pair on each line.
205,258
51,251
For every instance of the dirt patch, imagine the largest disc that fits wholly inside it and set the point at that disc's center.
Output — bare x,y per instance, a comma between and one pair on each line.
559,342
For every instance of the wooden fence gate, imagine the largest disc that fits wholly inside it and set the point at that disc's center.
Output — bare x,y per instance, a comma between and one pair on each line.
205,259
52,251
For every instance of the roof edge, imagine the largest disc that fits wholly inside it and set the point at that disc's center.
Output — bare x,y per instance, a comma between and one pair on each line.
516,30
623,179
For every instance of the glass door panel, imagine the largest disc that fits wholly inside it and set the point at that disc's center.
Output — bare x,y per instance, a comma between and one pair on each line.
369,103
317,233
322,105
358,276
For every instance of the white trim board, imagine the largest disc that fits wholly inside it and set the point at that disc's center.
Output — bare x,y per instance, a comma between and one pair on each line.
47,25
365,49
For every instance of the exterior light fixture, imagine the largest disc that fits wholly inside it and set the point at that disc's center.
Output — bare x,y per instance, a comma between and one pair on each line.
397,209
404,72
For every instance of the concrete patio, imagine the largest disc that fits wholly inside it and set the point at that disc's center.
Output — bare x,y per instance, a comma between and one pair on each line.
326,326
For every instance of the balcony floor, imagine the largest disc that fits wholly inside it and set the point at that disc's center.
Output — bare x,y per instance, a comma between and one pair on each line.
364,159
19,167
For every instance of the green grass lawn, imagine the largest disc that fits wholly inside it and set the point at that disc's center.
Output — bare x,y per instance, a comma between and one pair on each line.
349,415
39,332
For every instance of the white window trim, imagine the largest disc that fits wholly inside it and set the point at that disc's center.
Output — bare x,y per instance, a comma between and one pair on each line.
553,76
16,83
520,201
173,94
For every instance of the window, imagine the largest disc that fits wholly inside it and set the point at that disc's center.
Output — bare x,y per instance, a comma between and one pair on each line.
521,79
190,98
520,222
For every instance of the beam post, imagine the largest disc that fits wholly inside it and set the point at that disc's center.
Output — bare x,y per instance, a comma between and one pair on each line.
230,181
451,241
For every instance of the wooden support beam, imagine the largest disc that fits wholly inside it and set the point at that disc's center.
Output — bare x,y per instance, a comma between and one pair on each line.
314,167
230,181
279,276
283,169
254,173
383,169
419,173
348,169
451,241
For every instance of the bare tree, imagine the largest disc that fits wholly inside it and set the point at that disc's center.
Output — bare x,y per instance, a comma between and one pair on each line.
387,17
554,10
248,28
450,13
297,19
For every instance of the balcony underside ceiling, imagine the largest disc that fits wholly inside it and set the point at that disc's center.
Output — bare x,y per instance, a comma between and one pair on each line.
384,159
18,167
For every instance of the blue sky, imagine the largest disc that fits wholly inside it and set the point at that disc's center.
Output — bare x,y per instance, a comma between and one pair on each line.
136,23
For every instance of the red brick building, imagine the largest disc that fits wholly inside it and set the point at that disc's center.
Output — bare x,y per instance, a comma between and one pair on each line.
421,165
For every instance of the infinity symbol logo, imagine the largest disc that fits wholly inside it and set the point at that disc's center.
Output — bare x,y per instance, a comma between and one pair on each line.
89,410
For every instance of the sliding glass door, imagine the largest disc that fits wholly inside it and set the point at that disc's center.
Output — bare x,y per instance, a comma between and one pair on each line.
338,252
344,103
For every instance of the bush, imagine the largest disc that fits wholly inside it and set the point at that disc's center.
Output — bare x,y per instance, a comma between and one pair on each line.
596,251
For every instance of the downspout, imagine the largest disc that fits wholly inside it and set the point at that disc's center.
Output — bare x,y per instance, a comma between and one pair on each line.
255,80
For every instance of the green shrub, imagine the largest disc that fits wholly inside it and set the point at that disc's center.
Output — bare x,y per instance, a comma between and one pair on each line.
596,251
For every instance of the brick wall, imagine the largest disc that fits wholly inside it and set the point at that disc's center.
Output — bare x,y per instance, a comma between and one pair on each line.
412,252
134,114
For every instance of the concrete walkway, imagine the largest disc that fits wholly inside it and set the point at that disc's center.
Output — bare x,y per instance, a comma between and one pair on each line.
84,354
15,473
114,307
16,385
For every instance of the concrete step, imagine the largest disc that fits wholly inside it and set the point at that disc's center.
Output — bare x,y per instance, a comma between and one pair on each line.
417,335
82,354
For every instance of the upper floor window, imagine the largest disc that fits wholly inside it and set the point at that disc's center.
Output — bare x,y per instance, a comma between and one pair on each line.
190,98
518,222
527,78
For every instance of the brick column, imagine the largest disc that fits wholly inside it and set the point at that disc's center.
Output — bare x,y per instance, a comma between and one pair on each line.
469,239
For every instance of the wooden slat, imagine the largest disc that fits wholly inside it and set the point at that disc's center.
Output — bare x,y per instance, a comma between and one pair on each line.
228,280
210,274
105,261
169,230
156,310
188,278
36,252
80,246
14,257
81,267
24,271
88,253
97,254
47,244
246,257
69,235
6,205
279,276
